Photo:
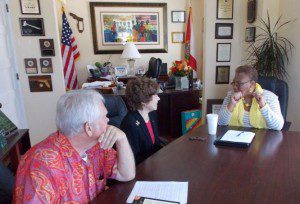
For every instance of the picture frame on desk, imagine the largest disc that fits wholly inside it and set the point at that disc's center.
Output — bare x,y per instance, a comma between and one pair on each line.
120,71
213,105
114,23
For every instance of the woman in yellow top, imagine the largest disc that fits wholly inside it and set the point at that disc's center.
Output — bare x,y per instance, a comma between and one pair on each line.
248,105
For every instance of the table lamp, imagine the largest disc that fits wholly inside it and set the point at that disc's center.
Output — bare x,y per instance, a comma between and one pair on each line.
130,52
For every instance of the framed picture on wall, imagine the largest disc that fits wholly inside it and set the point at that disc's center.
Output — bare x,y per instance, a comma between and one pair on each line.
222,74
30,7
250,34
40,83
46,65
223,52
32,26
224,9
251,11
114,23
178,16
224,31
30,65
177,37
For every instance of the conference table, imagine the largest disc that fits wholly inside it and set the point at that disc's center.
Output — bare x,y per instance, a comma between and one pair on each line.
266,172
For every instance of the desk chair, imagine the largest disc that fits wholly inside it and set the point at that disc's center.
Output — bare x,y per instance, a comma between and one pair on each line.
116,109
281,89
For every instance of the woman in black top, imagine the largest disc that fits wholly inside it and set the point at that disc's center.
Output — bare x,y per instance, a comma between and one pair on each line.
140,123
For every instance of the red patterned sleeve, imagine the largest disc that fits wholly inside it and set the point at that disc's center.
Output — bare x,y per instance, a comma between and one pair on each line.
111,163
33,183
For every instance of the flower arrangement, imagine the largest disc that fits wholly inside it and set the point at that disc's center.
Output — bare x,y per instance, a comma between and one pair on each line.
180,68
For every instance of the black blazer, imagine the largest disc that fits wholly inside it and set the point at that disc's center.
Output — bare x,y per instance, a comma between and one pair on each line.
138,135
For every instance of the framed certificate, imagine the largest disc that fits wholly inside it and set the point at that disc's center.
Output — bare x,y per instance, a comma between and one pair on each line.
177,37
30,7
178,16
222,74
224,31
223,52
224,9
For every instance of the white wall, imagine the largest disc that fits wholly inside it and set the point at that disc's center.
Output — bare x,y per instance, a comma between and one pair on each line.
212,90
40,107
290,10
85,40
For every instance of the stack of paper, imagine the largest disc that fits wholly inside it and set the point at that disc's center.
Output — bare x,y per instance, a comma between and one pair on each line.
170,191
96,84
238,136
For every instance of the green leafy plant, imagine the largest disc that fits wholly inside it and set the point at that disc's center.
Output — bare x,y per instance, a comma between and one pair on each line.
271,52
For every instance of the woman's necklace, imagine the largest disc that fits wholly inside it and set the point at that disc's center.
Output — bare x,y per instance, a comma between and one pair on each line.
246,104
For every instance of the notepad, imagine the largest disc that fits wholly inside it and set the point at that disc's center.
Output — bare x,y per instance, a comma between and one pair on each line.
236,138
169,191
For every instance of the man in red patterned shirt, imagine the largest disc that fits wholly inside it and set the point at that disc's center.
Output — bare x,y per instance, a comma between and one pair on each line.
73,164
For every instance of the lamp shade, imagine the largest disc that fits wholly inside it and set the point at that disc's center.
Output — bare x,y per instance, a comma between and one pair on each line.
130,51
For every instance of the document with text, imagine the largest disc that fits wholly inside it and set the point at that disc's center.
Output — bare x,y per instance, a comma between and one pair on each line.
238,136
170,191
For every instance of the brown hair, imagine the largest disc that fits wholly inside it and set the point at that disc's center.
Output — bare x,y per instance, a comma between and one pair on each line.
249,71
140,90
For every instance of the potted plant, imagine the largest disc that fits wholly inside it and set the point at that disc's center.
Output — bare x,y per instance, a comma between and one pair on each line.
270,53
180,70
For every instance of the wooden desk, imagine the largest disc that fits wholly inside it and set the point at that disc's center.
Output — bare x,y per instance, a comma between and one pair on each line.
172,103
267,172
17,145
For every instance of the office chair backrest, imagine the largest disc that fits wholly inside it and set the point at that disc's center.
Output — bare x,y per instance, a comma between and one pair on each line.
278,87
154,67
116,109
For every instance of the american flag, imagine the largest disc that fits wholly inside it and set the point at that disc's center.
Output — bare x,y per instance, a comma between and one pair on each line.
70,53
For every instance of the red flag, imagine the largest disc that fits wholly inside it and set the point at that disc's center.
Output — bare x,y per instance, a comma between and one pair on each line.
189,51
69,53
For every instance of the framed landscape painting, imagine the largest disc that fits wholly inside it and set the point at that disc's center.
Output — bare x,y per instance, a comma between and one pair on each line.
113,24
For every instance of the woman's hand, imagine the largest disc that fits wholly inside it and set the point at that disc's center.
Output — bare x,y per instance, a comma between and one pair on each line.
236,96
260,99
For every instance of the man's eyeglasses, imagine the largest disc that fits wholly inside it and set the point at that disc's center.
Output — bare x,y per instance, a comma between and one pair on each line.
238,84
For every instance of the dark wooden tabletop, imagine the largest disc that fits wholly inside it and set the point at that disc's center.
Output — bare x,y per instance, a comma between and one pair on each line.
267,172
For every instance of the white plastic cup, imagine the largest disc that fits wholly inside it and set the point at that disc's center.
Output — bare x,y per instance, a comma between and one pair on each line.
212,123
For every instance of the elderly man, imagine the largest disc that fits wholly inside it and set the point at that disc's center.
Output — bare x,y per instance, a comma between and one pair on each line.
73,164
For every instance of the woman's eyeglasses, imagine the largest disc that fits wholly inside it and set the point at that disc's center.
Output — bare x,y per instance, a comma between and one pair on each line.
238,84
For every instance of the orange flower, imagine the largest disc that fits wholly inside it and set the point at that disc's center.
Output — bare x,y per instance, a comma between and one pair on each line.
180,68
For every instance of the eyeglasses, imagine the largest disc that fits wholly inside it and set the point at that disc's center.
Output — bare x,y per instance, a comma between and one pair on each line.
239,84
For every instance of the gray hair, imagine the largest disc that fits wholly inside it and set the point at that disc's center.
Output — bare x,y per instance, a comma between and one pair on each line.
75,108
